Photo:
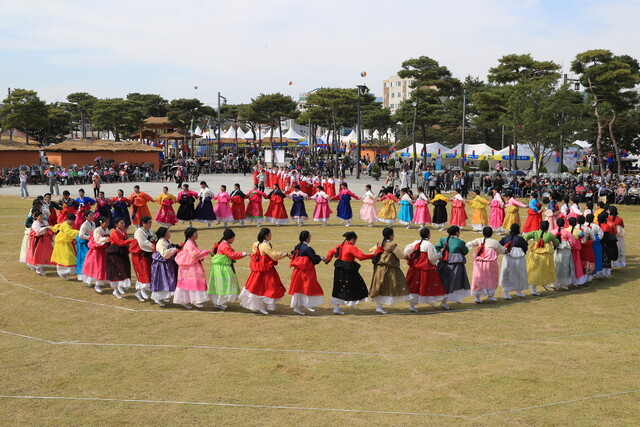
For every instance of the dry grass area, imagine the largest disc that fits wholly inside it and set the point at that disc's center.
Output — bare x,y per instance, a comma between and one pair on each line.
521,362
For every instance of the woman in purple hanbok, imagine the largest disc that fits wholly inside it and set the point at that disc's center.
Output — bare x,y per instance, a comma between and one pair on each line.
164,270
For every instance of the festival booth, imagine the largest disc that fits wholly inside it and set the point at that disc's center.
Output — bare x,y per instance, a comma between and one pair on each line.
83,152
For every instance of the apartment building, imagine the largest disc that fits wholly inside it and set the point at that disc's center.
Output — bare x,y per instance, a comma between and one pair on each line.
394,91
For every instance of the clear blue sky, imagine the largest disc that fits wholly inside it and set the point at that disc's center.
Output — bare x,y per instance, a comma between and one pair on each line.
245,47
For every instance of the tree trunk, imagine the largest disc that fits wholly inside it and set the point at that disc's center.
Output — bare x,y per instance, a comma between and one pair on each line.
596,112
615,143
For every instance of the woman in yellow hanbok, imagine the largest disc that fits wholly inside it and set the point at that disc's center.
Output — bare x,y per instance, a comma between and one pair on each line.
511,212
64,253
388,213
479,218
541,269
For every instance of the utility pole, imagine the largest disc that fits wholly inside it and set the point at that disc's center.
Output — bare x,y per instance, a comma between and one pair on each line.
220,121
464,125
413,138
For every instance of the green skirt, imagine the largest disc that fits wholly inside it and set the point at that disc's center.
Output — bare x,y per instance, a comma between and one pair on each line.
222,279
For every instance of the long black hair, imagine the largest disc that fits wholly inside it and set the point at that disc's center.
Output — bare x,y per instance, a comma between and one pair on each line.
304,235
226,235
264,232
386,233
189,232
347,236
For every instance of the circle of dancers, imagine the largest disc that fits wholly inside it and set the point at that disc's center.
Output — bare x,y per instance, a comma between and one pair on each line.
87,239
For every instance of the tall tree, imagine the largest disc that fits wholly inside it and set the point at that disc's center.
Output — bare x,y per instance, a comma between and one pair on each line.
610,80
58,125
272,109
152,105
80,105
184,113
24,110
117,115
247,114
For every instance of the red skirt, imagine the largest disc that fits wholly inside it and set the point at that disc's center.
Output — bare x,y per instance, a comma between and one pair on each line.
586,252
425,283
237,208
142,267
265,284
304,279
533,221
276,209
458,216
95,264
40,249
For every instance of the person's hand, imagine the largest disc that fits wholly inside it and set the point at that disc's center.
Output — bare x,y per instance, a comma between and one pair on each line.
244,254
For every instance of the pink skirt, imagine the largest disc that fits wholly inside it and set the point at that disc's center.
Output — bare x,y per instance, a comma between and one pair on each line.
458,216
223,212
322,211
368,212
421,214
496,218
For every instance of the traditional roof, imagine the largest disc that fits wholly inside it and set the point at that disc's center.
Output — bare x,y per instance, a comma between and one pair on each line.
101,145
157,122
16,136
178,134
10,145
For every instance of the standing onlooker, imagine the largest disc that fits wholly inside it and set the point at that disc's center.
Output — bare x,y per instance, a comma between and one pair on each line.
52,177
95,183
24,193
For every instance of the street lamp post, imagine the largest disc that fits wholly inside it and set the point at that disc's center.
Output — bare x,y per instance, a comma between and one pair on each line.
564,83
219,120
413,139
362,89
464,126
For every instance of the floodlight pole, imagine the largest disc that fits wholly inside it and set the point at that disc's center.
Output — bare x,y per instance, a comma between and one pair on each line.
362,89
220,121
464,126
413,138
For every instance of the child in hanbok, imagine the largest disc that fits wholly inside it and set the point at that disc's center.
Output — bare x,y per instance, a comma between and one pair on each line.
496,217
298,211
94,269
204,211
439,203
322,211
222,208
84,205
237,205
388,284
344,207
254,207
368,212
142,248
191,286
330,186
64,254
541,269
264,287
305,290
405,216
479,212
451,265
534,214
512,213
40,244
139,208
458,212
67,205
388,213
103,207
423,280
513,271
349,287
486,272
421,215
166,217
276,212
223,281
186,199
164,270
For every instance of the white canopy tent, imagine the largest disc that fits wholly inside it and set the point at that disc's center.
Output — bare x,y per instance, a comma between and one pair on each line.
293,135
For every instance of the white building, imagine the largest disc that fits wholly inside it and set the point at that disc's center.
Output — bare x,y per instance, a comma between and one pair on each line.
394,91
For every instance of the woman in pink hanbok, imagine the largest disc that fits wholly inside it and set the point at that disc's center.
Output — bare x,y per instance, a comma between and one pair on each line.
485,265
496,217
191,287
322,211
368,209
222,208
421,214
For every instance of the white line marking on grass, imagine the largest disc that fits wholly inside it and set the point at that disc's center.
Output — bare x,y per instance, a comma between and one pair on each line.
235,405
564,402
343,353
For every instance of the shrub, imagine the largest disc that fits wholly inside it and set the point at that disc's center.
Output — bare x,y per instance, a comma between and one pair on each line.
483,165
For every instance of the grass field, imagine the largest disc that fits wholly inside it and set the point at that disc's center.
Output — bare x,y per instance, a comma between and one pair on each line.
565,358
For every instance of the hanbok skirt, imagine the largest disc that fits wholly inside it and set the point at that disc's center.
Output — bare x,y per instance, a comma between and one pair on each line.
439,214
223,281
94,269
565,267
82,249
513,271
305,290
348,285
142,267
496,217
533,221
388,285
118,267
186,212
166,217
406,213
25,246
276,213
254,210
388,212
223,212
458,214
454,277
511,216
541,269
344,209
421,213
425,286
204,211
164,276
597,257
191,286
39,250
368,211
322,211
298,210
622,257
262,290
486,273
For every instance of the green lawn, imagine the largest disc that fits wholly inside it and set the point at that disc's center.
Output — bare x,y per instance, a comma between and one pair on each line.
520,362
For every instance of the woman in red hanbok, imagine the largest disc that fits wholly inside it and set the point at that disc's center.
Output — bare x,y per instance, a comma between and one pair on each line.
142,248
276,212
305,290
40,244
166,216
118,264
254,207
237,205
264,287
425,285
